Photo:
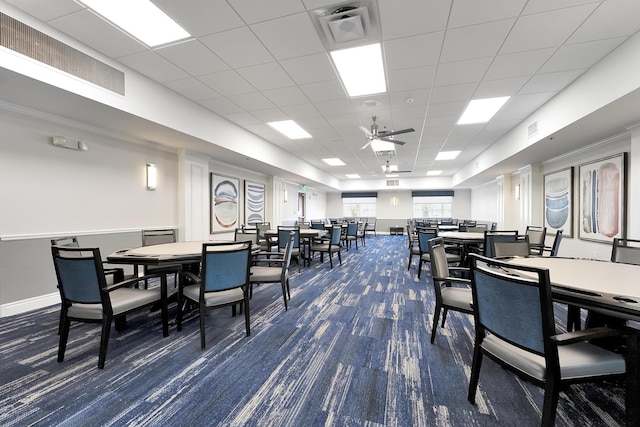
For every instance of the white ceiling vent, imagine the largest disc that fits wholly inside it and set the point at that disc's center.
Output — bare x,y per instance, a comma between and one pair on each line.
348,24
393,182
532,129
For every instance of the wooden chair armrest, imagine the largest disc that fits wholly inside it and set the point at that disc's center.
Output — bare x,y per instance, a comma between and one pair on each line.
453,280
132,281
586,334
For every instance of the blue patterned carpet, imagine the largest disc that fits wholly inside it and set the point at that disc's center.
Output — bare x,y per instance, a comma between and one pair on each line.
353,350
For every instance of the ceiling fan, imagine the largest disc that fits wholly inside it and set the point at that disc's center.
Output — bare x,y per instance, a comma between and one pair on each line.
389,171
373,134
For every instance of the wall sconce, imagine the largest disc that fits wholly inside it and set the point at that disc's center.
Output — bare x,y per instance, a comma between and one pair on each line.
152,177
394,201
517,191
285,196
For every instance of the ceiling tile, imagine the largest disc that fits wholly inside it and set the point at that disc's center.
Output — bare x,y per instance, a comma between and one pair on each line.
193,57
324,91
309,69
258,11
518,64
220,106
580,55
193,88
598,25
266,76
251,101
475,41
411,78
402,18
98,34
301,111
227,83
462,71
502,87
46,10
286,96
154,66
470,12
551,29
201,17
550,82
289,37
409,52
238,47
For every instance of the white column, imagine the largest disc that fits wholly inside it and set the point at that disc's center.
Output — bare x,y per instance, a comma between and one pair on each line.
633,177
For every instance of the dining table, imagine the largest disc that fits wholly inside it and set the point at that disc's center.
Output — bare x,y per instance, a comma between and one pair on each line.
604,286
182,255
466,241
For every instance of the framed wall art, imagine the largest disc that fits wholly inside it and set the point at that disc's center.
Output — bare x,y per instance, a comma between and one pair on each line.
558,201
253,202
225,201
602,210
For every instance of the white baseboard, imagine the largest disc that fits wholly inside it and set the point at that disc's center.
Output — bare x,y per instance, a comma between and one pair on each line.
29,304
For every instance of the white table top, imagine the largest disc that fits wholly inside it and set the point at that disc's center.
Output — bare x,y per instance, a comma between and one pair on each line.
604,282
462,235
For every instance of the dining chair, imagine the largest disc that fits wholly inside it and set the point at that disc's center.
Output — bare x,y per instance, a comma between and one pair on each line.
452,292
351,235
515,327
626,251
537,236
330,246
555,246
361,233
272,273
159,237
86,296
246,235
116,274
497,235
223,281
419,249
283,238
266,242
506,249
371,226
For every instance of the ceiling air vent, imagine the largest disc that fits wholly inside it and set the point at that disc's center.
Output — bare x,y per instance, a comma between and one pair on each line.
393,182
348,24
34,44
532,129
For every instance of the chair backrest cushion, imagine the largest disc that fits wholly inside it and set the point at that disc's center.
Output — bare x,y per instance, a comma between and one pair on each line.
518,248
501,236
626,251
225,266
283,236
424,235
516,307
438,258
78,276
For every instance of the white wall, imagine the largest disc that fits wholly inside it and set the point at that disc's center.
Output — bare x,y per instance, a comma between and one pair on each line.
51,190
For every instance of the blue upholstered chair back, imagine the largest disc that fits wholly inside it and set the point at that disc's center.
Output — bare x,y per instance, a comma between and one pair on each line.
317,225
283,236
336,232
514,303
352,229
225,266
78,275
424,235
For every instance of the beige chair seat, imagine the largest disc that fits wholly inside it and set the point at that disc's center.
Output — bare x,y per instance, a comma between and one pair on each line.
261,273
457,297
577,360
214,298
122,300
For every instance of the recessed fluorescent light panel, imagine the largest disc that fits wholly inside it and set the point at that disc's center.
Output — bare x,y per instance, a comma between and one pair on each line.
290,129
352,175
434,173
361,69
140,18
333,162
447,155
481,110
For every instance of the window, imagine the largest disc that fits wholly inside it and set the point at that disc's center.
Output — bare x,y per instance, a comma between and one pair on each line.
432,206
359,207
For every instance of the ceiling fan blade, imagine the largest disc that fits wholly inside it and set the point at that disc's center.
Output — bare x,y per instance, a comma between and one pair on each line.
366,145
395,132
402,171
395,141
366,131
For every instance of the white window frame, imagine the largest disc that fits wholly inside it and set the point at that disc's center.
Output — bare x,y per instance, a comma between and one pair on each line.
432,206
359,207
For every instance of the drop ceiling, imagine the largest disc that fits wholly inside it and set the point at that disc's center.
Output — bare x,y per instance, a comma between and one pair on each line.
257,61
